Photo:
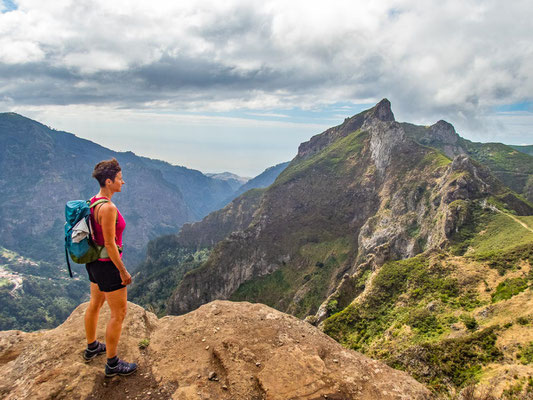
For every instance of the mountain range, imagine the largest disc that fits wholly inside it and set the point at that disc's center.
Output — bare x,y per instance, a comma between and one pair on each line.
60,170
408,243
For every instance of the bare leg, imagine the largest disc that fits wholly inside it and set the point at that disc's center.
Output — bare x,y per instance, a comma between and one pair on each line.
118,303
92,312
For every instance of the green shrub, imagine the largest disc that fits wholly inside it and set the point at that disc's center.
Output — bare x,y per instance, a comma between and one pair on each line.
332,307
359,324
470,322
456,362
469,300
526,355
509,288
425,322
503,261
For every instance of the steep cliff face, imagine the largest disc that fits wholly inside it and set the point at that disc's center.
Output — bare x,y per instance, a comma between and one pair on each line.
222,350
359,194
452,317
382,112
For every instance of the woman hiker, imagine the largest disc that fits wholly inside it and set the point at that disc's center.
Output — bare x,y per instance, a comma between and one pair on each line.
108,275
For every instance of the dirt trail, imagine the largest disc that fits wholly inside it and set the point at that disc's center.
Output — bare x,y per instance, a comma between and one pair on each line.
512,217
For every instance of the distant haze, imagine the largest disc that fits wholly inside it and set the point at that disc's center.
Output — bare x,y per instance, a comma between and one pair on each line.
237,85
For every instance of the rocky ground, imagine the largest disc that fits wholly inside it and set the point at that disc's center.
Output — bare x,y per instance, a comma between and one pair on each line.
223,350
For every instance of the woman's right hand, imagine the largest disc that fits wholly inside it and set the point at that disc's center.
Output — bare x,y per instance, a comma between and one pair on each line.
126,277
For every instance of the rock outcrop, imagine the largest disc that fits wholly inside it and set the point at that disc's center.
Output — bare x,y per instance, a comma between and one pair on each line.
380,112
223,350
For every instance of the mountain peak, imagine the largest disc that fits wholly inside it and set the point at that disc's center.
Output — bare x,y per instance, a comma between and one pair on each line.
444,132
382,111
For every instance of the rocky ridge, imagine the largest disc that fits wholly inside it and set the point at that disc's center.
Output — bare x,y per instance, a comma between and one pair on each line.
222,350
367,183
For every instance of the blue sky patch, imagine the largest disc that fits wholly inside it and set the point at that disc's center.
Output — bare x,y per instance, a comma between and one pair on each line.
522,106
7,6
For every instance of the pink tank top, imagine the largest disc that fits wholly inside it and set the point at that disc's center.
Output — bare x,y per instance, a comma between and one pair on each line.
99,234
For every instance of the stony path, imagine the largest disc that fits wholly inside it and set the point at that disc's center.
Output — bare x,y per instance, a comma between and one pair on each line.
513,217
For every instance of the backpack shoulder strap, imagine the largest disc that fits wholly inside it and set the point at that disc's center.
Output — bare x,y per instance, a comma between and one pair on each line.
98,202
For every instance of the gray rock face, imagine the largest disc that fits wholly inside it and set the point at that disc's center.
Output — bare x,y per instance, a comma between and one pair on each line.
444,133
468,181
381,112
385,140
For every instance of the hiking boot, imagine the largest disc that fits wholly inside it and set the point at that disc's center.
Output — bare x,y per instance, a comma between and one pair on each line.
122,368
89,354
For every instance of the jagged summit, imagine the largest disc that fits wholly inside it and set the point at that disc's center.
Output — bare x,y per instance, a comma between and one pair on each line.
250,351
441,135
381,112
445,129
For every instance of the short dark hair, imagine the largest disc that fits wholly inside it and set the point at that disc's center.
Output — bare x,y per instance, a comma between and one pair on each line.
107,169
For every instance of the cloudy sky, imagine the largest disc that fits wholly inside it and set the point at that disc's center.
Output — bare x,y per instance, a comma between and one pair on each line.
237,85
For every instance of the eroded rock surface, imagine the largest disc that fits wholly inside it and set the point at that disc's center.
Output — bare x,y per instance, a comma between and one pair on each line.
250,351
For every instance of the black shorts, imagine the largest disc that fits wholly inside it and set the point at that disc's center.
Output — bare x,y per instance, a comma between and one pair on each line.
105,275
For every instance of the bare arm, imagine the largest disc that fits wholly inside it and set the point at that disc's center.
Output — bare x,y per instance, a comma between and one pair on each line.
108,218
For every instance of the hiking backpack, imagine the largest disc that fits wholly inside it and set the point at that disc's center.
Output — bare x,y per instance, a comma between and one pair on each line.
79,238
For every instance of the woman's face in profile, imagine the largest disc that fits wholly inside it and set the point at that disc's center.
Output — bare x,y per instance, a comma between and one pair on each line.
116,185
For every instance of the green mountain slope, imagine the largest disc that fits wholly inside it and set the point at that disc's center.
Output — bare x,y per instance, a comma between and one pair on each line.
513,165
451,320
390,237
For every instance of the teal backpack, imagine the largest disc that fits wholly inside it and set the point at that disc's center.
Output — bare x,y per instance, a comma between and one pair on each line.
79,238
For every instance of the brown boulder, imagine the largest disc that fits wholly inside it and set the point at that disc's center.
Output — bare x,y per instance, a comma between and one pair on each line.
250,351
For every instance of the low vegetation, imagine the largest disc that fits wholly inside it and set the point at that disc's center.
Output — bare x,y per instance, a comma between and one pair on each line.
430,315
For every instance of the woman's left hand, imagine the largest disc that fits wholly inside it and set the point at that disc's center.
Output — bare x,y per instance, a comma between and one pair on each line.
126,277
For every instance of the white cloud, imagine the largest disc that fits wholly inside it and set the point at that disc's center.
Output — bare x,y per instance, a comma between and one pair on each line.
19,52
452,59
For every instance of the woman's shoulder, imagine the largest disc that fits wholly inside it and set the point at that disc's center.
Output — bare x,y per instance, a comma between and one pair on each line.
108,208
